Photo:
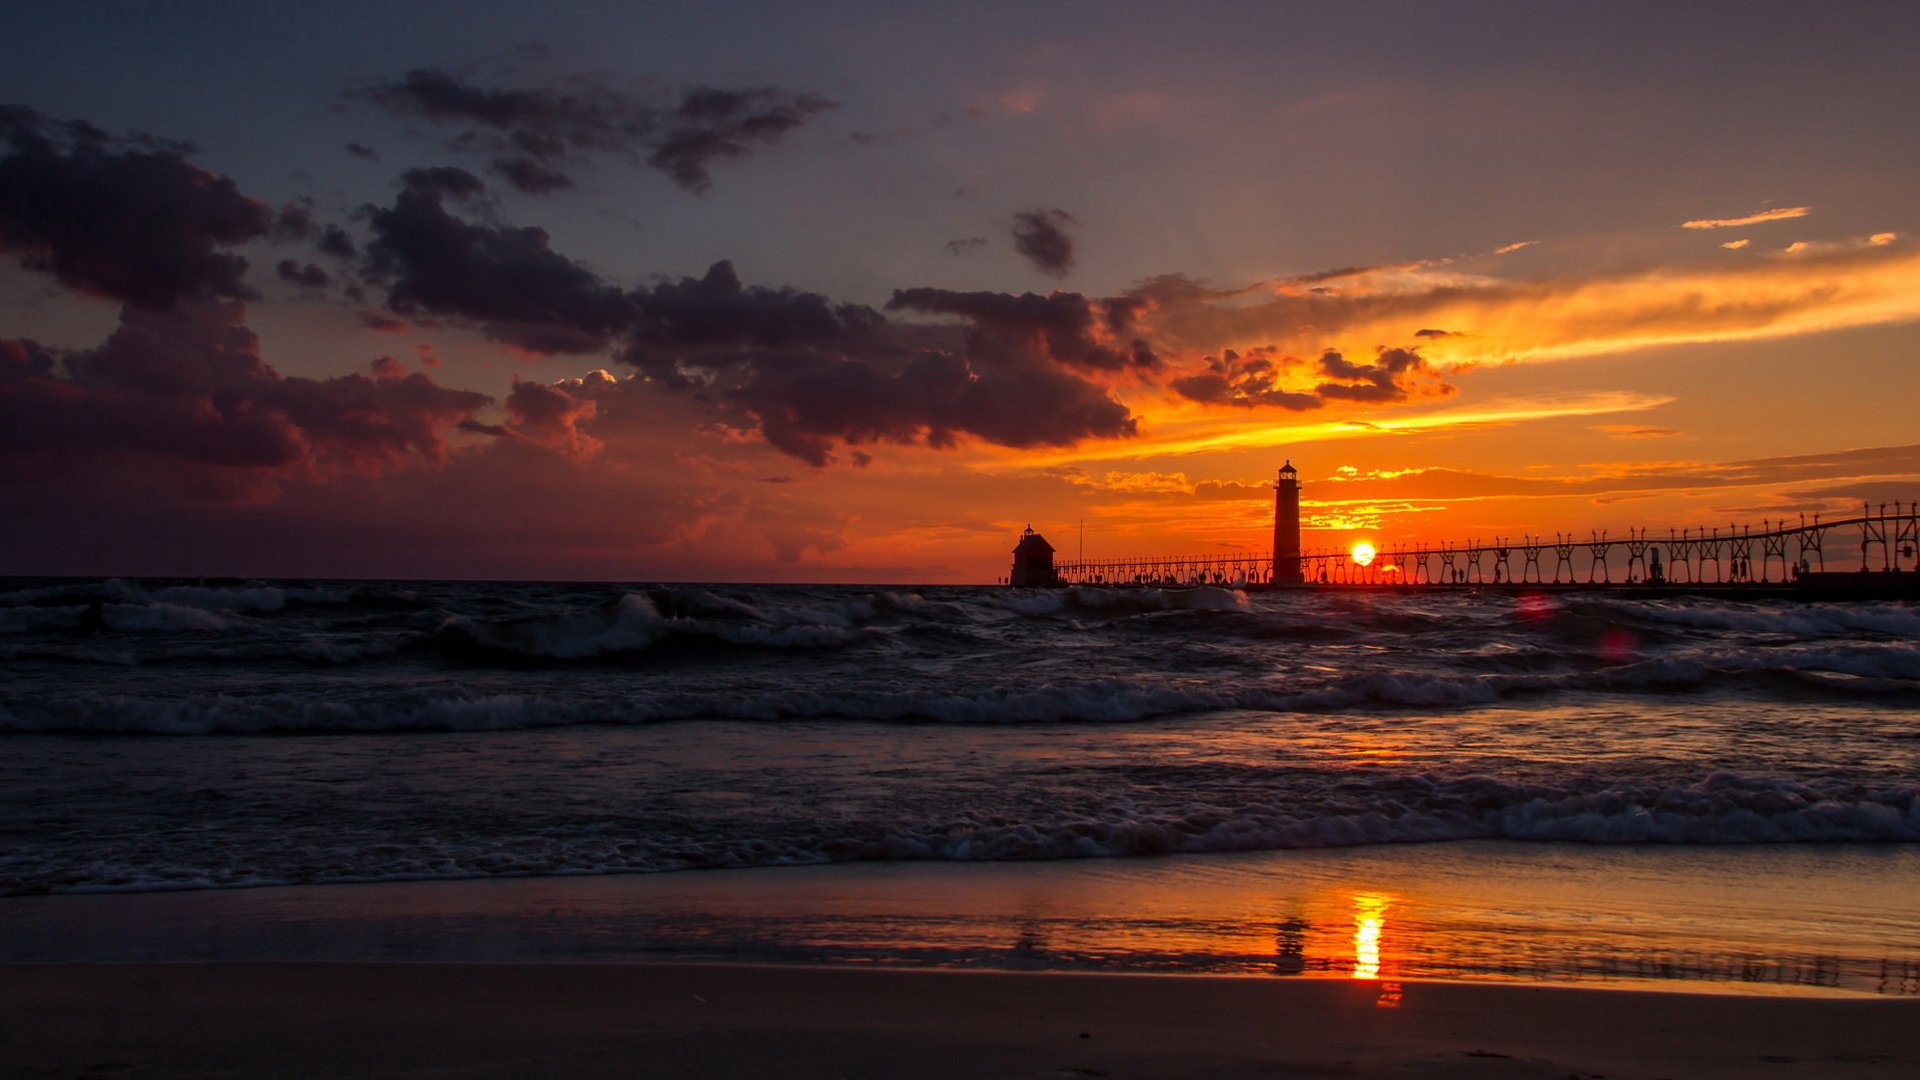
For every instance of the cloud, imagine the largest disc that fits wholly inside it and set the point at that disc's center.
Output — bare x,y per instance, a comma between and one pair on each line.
187,389
965,245
443,180
1133,483
1395,375
334,241
714,125
806,373
1062,327
1751,219
810,375
1495,320
717,311
552,417
1828,247
1041,237
308,276
1736,245
530,133
1255,379
508,281
126,219
1455,484
1508,249
805,402
530,176
1635,431
361,151
1245,381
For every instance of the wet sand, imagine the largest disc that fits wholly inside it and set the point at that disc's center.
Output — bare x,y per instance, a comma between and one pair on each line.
561,1020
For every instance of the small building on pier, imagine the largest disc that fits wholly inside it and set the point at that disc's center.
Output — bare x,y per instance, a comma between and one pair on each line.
1033,561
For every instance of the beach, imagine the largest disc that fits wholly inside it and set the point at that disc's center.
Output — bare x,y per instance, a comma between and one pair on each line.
1470,960
559,1020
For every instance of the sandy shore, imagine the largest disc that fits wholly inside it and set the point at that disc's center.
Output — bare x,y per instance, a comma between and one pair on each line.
555,1020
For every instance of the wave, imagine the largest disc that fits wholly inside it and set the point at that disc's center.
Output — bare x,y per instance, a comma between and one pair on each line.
1336,810
1795,620
238,598
634,624
1884,674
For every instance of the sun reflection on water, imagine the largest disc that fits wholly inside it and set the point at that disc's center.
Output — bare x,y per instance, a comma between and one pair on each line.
1369,918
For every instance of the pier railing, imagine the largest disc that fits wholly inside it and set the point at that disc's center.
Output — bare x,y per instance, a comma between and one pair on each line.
1887,538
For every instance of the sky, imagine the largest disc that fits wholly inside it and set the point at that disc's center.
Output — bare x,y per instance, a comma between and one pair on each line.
856,292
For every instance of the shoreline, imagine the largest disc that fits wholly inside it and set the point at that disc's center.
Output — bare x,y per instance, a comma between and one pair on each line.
570,1019
1826,920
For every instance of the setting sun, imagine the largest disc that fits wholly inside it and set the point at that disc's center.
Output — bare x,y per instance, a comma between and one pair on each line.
1363,553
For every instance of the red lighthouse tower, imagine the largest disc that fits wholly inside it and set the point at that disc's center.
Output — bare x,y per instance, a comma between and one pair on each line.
1286,527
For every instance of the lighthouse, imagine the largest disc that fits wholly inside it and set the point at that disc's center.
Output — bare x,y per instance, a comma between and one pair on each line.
1033,561
1286,527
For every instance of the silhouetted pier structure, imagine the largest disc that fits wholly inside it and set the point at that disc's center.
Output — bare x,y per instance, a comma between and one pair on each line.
1776,552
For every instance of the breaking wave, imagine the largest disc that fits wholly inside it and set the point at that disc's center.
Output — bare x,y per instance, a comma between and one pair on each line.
1299,813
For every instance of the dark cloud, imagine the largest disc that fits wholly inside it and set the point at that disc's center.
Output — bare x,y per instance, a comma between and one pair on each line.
1040,236
1254,379
965,245
307,276
530,132
1395,375
383,324
808,374
811,375
716,125
508,281
295,221
443,180
359,151
805,403
1065,328
1436,333
528,175
188,388
127,219
334,241
716,310
1244,381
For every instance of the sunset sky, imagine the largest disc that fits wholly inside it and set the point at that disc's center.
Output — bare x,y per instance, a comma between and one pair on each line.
854,292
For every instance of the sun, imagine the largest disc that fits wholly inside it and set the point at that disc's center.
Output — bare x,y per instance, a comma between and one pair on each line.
1363,553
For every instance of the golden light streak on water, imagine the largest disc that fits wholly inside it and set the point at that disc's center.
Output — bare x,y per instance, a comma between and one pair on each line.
1369,919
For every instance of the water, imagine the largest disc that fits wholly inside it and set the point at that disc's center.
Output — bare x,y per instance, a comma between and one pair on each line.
175,736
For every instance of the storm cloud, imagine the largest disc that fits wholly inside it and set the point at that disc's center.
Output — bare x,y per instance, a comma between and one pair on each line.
810,374
807,402
508,281
1063,327
127,219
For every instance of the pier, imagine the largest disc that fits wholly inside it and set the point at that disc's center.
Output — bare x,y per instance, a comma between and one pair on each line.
1875,552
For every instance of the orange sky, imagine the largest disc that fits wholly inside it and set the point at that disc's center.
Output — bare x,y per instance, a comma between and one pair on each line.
444,303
